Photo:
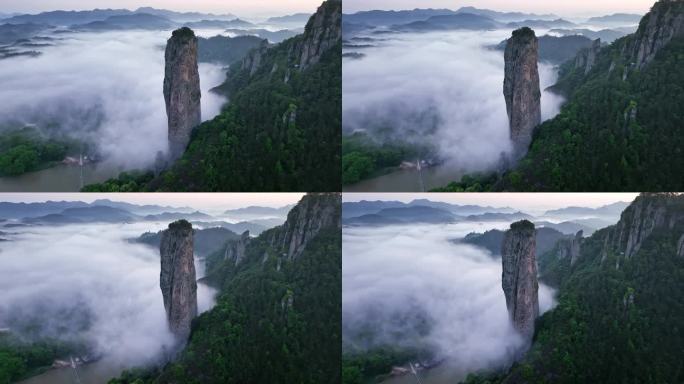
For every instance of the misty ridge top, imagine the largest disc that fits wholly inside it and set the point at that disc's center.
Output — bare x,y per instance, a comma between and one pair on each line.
524,33
181,225
522,225
183,33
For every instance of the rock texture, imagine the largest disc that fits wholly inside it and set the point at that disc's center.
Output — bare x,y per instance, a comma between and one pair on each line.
586,58
177,279
181,89
322,32
521,88
312,214
649,212
519,277
663,23
235,250
252,61
571,247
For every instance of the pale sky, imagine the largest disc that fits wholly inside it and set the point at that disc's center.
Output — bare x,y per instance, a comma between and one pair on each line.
237,7
530,202
563,8
200,201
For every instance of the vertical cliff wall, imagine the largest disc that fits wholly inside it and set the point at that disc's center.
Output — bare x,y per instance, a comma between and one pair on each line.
521,88
519,276
181,89
177,279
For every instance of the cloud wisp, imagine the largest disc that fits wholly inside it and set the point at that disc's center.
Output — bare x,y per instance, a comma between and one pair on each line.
410,286
88,283
105,88
443,89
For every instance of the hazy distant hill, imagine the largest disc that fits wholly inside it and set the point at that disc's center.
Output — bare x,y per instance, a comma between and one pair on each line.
606,35
226,50
614,209
557,50
546,239
64,18
298,18
388,18
617,18
134,21
206,241
404,215
447,22
236,23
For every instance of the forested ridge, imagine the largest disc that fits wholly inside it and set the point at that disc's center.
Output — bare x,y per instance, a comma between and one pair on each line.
277,318
280,131
619,131
619,317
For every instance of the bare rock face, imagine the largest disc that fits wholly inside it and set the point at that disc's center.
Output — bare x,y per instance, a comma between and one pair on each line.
323,31
177,280
235,251
649,212
571,247
586,58
315,212
252,61
521,88
663,23
519,277
182,89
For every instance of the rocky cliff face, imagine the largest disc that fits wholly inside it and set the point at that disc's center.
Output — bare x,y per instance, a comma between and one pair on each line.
586,58
323,31
181,89
521,88
648,213
314,213
571,247
519,277
664,22
177,279
252,61
235,251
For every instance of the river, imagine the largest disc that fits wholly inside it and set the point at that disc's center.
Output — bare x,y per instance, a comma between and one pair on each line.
96,373
60,178
408,180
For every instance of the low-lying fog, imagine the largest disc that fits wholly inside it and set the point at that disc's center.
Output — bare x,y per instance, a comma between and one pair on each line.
443,88
104,87
395,277
87,282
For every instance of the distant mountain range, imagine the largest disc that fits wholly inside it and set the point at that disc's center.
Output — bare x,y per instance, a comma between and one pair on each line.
381,213
297,18
606,35
491,240
387,18
557,50
67,18
257,210
27,210
206,241
471,18
355,209
225,50
614,209
619,18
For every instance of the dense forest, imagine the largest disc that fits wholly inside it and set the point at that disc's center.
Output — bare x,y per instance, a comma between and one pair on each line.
280,131
619,318
20,359
619,131
364,158
276,320
26,150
